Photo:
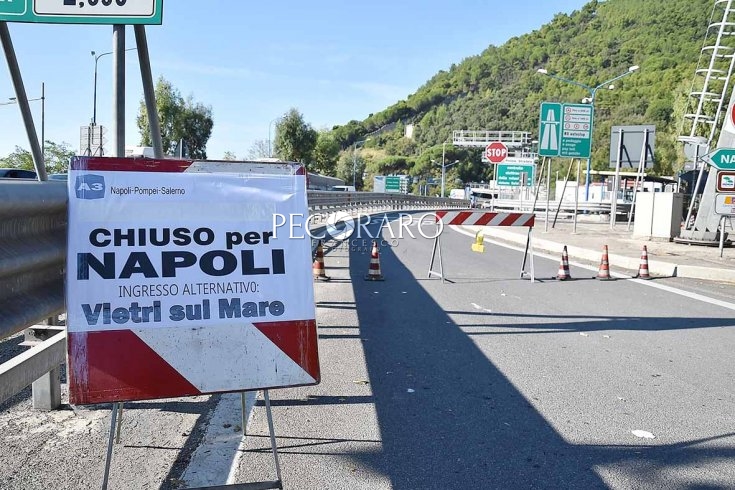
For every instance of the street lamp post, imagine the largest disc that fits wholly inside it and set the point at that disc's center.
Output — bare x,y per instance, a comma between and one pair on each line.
96,59
445,166
42,98
270,151
589,100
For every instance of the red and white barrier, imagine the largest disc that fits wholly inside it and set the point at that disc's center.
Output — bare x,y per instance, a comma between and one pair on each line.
485,218
482,218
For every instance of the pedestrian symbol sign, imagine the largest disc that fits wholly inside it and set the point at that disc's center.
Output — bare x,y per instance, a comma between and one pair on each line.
549,129
565,130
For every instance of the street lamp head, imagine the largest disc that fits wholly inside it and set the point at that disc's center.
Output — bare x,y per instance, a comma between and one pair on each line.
542,71
633,68
587,100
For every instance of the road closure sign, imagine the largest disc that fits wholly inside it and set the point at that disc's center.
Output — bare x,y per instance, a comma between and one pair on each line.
82,11
182,282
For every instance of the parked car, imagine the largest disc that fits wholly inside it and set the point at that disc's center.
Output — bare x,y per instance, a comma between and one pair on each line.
16,173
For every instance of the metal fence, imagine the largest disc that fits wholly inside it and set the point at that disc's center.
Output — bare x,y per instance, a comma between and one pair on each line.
33,220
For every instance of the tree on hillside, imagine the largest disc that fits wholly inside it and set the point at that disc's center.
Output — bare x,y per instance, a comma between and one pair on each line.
180,119
326,154
500,89
350,166
56,156
259,149
295,139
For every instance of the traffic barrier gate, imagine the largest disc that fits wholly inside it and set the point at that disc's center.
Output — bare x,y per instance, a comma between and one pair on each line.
483,218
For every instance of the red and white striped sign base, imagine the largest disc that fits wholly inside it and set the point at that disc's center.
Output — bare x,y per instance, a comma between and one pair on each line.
483,218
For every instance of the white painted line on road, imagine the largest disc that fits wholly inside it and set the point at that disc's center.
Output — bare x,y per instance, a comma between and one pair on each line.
217,458
652,284
698,297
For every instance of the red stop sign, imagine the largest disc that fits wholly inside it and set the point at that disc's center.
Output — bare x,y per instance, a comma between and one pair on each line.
496,152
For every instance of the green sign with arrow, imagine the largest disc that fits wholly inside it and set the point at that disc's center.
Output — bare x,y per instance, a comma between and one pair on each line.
723,159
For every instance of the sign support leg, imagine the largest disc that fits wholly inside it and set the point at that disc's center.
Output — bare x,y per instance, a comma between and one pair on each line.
244,412
576,199
722,235
563,191
638,177
269,415
108,459
148,90
22,98
548,192
119,422
529,247
118,90
437,247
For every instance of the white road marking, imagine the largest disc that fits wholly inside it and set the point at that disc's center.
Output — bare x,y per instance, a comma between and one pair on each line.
652,284
478,307
217,458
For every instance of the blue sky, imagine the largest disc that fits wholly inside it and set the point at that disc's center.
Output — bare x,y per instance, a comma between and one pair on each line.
253,60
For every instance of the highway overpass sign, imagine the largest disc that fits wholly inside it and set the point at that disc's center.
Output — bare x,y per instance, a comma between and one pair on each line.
723,159
82,11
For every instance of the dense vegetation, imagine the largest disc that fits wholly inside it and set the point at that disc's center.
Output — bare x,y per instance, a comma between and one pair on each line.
500,89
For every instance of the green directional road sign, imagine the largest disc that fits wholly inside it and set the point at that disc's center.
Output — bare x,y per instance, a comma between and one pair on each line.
392,184
515,175
82,11
576,131
549,129
723,159
565,130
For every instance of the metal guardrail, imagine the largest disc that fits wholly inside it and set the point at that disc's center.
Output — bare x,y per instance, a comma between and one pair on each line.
33,220
33,217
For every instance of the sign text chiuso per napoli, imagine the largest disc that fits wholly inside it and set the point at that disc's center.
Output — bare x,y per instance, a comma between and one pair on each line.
116,264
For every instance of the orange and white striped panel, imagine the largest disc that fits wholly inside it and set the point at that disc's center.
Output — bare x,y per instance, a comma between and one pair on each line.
485,218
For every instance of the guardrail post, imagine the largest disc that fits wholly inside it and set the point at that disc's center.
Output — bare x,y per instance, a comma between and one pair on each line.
47,390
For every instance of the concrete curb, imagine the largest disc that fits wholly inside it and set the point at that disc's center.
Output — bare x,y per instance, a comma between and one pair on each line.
655,267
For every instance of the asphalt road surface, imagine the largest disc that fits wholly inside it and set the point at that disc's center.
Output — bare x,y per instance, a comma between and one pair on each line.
486,381
490,381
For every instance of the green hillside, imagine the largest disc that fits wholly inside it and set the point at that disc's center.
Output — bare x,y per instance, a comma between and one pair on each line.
500,88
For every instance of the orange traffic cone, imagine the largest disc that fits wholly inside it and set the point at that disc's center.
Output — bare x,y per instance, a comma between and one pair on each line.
564,273
374,271
643,269
604,272
317,268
